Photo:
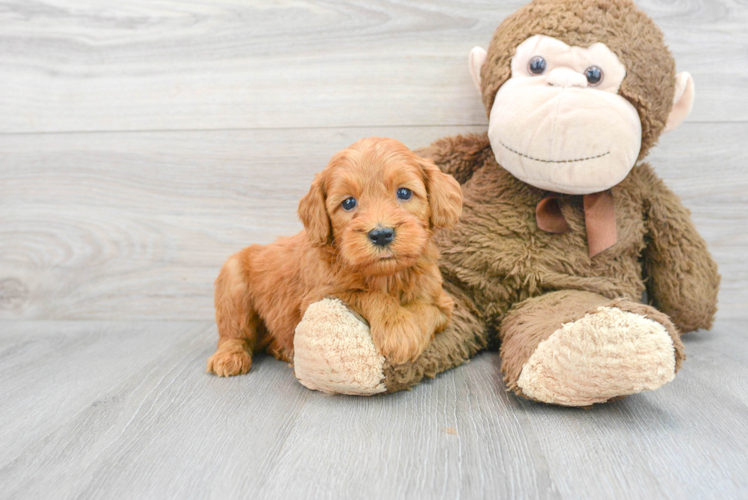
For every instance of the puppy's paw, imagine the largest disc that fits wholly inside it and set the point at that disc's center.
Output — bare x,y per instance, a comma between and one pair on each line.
445,303
400,340
231,358
441,325
437,321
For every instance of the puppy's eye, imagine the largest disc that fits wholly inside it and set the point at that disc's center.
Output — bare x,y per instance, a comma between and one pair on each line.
404,194
594,76
349,204
536,65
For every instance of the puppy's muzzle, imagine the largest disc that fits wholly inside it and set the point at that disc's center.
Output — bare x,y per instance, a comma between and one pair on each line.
382,236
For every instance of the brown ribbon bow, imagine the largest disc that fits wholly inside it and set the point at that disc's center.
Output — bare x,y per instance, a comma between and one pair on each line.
599,219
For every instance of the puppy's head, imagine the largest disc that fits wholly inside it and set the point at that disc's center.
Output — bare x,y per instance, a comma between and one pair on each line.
376,204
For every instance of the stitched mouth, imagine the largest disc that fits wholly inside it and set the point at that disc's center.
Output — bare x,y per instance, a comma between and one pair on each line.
553,161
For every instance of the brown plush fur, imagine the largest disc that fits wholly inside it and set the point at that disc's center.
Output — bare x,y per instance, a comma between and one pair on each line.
497,258
263,291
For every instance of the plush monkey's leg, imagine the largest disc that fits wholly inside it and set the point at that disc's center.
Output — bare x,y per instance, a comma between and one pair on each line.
333,351
576,348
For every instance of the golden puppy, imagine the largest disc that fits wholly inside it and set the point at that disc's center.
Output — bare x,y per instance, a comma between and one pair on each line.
368,221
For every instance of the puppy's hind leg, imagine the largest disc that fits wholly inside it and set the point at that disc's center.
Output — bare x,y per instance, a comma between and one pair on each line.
237,320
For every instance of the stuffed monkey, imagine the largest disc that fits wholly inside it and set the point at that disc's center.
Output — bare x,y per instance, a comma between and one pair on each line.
564,227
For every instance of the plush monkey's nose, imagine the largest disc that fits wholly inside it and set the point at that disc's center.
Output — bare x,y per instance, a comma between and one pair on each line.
382,236
564,77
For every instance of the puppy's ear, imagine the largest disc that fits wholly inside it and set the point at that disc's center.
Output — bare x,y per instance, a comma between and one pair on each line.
313,213
445,195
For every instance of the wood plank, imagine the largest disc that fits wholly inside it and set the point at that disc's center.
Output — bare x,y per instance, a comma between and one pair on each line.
136,225
91,449
454,436
74,365
159,427
703,165
228,64
640,442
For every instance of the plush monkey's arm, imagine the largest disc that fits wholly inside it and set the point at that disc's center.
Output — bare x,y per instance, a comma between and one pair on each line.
459,156
682,276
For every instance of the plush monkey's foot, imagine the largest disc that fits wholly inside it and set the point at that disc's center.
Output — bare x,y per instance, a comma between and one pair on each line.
334,353
605,354
231,358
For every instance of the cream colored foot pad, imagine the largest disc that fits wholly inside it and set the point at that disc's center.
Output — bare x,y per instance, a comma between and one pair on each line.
602,355
334,353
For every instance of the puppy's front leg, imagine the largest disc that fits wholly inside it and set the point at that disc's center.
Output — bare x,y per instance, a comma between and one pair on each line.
394,330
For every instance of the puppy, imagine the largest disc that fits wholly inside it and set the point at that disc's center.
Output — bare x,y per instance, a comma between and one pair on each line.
367,240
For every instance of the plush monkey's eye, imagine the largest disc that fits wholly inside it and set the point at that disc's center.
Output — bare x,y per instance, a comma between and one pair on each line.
594,76
349,204
536,65
404,194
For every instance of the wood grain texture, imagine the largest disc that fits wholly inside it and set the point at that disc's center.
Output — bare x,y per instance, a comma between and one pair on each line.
228,64
144,141
136,225
124,410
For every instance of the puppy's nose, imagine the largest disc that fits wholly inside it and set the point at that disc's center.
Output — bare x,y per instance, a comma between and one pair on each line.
382,236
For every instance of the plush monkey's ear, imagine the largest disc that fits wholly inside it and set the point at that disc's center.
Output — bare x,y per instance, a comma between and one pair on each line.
445,195
313,213
475,61
682,101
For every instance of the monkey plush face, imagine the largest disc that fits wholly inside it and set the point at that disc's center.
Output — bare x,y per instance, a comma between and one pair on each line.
558,122
577,91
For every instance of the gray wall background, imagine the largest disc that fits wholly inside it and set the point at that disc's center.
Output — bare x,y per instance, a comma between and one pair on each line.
141,143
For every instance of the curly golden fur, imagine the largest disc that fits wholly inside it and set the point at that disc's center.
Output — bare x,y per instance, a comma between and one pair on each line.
263,291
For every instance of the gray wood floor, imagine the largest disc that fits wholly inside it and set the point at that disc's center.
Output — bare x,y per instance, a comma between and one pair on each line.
144,141
95,409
